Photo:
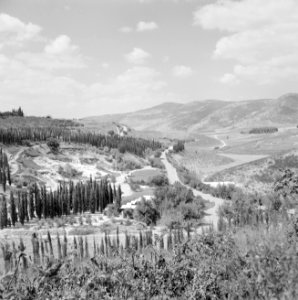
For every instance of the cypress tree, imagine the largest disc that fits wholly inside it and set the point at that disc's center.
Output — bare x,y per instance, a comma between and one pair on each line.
21,209
4,180
8,175
4,218
118,198
25,201
31,204
38,203
13,212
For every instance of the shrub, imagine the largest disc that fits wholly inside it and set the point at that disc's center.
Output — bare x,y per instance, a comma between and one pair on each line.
53,144
178,147
111,211
159,180
128,213
261,130
146,212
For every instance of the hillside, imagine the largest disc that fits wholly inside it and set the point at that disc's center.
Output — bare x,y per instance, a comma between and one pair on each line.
175,118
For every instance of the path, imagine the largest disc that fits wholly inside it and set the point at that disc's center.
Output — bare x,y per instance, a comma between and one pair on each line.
13,162
223,143
211,217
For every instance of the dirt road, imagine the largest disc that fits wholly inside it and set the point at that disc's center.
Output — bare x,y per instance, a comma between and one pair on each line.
211,217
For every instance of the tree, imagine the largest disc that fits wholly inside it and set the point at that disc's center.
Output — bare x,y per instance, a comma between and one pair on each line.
178,147
146,212
118,198
286,187
4,219
53,144
13,212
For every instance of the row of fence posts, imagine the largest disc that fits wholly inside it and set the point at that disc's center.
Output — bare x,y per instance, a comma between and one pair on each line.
106,245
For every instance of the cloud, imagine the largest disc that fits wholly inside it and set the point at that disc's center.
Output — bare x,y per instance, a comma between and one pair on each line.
58,54
42,78
105,65
61,45
134,88
182,71
137,56
125,29
146,26
261,35
14,32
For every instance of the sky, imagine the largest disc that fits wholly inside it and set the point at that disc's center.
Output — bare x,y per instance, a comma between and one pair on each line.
78,58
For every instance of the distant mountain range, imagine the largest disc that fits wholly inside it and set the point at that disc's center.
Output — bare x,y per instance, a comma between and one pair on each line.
192,118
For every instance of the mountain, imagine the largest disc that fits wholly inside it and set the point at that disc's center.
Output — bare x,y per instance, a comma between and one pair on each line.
192,118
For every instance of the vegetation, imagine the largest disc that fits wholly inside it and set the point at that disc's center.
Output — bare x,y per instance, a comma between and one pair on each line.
92,196
146,212
14,113
177,206
178,147
210,266
253,256
5,175
9,136
261,130
53,144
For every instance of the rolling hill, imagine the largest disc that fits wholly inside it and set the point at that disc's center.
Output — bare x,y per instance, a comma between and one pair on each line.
191,118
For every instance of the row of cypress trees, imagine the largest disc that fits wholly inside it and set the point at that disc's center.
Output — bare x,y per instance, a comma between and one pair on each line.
5,175
133,145
13,113
70,198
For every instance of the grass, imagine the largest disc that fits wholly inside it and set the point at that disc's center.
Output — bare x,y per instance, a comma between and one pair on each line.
84,230
144,175
17,122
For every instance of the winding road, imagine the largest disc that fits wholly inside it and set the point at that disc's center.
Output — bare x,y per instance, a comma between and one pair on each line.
223,143
211,218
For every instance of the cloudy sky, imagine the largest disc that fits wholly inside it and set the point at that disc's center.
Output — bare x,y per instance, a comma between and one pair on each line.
75,58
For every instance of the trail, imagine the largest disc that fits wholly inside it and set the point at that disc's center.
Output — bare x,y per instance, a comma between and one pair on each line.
13,162
211,217
223,143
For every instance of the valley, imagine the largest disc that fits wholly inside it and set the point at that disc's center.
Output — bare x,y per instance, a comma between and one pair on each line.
101,190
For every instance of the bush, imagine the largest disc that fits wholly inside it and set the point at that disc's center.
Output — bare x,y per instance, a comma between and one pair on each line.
261,130
68,171
178,147
160,180
111,211
146,212
128,213
53,144
156,163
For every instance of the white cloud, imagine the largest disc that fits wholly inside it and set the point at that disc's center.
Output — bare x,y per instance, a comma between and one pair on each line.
14,32
261,35
43,81
42,60
146,26
125,29
61,45
137,56
136,87
105,65
182,71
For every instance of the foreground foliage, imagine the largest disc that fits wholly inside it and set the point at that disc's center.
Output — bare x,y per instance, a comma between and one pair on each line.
211,266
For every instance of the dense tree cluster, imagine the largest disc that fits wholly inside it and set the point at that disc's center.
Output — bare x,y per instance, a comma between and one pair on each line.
14,113
123,144
177,205
178,147
5,176
261,130
92,196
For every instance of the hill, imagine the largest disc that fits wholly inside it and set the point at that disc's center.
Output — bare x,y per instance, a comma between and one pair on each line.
190,118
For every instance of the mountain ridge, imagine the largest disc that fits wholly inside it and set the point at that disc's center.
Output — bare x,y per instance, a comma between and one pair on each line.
208,114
